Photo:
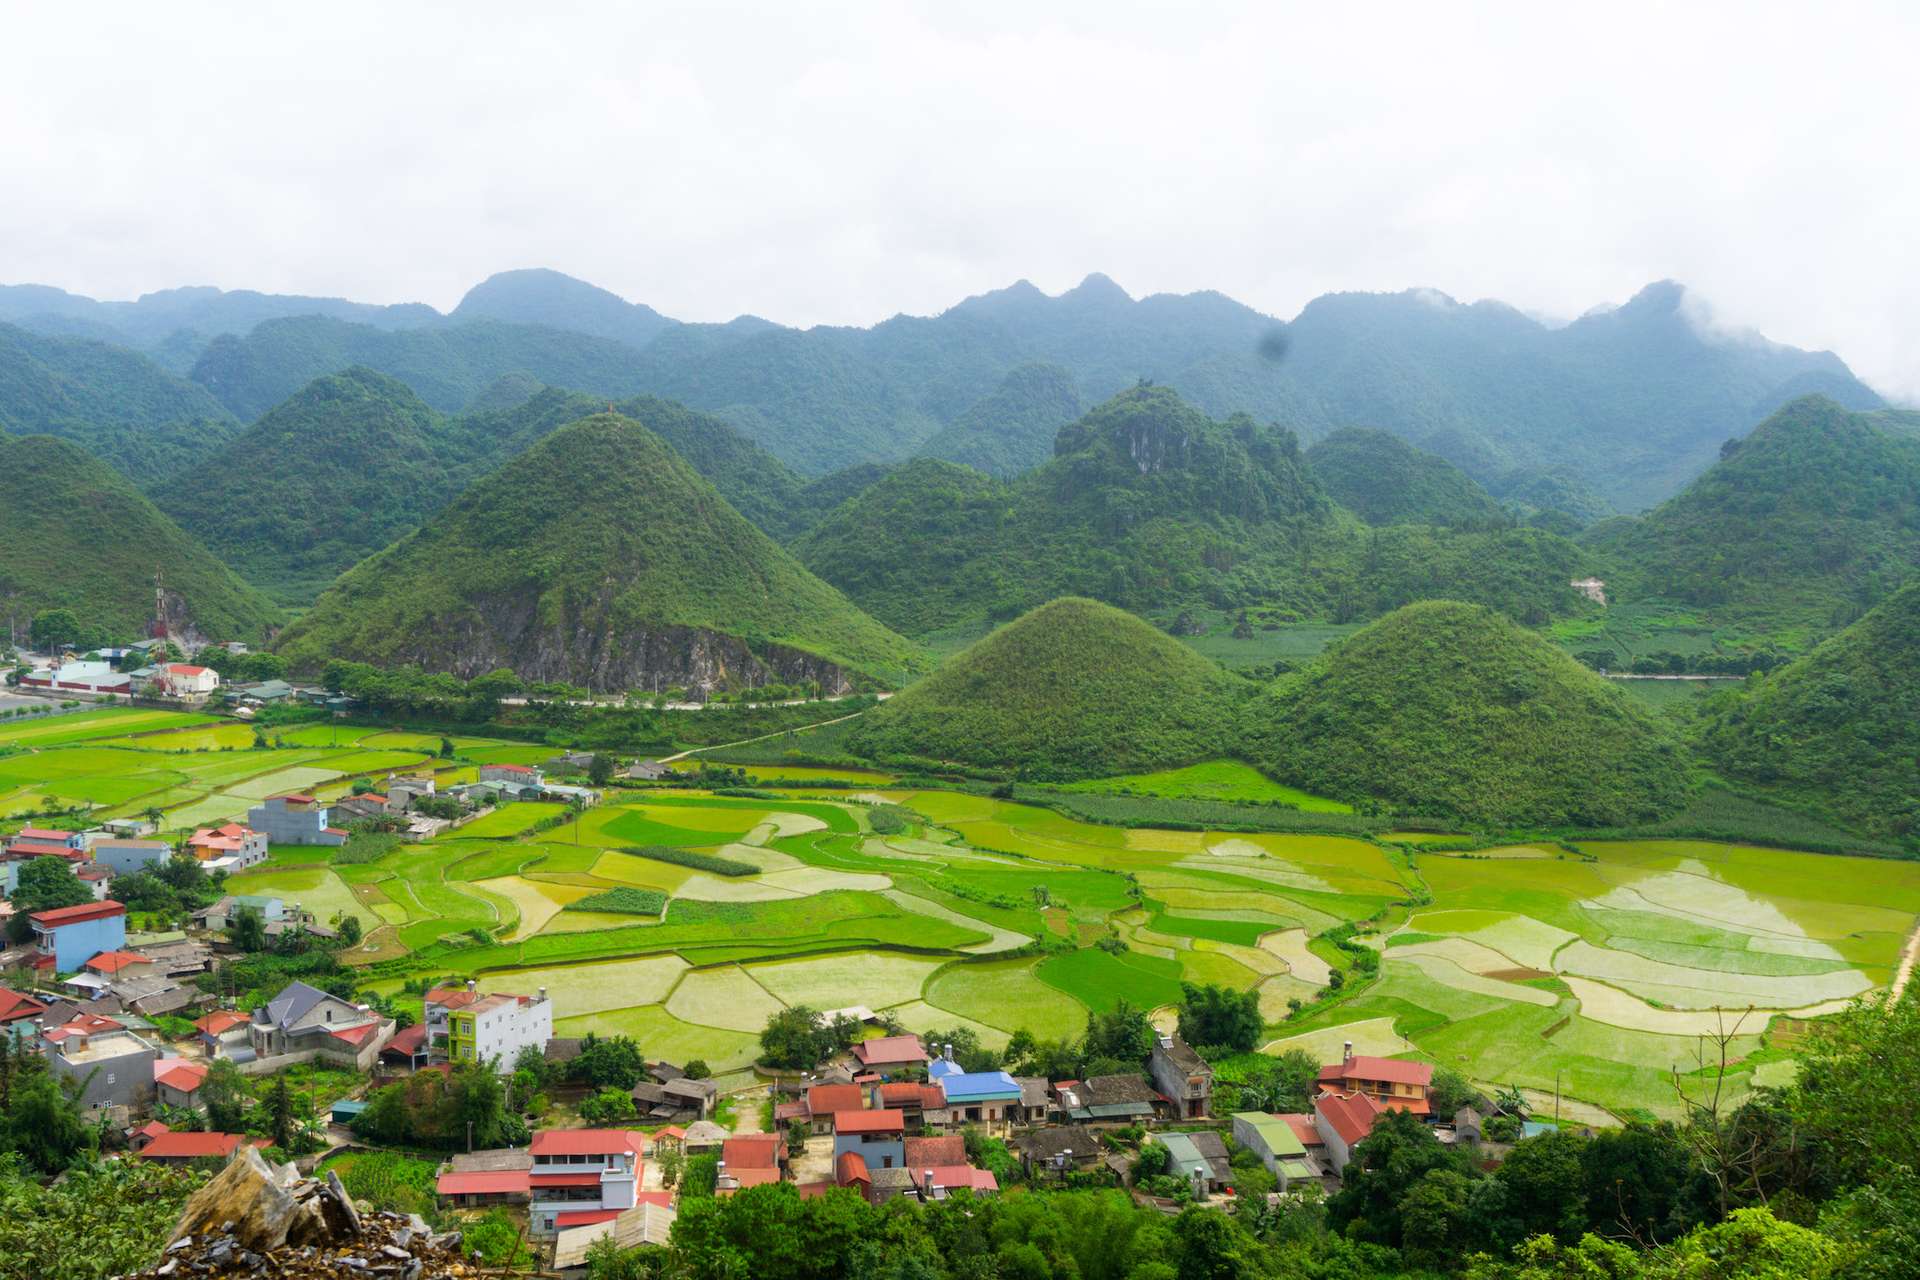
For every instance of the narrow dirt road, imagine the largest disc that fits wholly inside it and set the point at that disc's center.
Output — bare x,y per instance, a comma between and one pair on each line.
722,746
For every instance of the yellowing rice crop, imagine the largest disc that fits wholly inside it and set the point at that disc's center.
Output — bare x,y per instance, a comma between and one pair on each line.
723,997
1449,973
873,979
1677,985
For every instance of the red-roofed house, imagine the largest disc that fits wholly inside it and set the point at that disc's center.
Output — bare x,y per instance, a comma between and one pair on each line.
177,1082
923,1153
1302,1126
912,1100
120,964
146,1133
849,1170
891,1053
877,1137
179,1148
184,680
15,1007
486,1177
750,1160
222,1031
408,1048
1391,1082
68,937
244,845
582,1170
823,1100
1342,1121
51,835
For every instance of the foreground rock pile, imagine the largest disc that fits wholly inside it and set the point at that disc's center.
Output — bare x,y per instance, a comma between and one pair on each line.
258,1220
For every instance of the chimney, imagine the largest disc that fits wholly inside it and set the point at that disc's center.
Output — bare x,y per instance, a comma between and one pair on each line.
1346,1053
473,986
946,1051
1166,1042
543,995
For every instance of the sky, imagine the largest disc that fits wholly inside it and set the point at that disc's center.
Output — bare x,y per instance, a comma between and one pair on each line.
828,163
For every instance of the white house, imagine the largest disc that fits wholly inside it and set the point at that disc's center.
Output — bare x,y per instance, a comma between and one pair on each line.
468,1026
184,680
80,677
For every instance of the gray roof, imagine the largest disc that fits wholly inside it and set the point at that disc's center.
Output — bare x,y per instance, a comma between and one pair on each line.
1034,1090
901,1178
295,1001
1183,1056
648,1092
497,1160
1044,1144
1103,1091
704,1133
664,1071
696,1090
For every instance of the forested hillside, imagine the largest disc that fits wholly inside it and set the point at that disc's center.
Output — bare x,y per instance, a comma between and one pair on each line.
1384,480
1075,688
1012,430
119,405
1148,505
1810,520
1452,711
1839,730
75,535
598,557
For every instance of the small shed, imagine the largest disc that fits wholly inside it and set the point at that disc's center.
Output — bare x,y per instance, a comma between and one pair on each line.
345,1111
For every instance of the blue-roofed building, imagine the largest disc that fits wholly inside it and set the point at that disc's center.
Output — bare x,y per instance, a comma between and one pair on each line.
975,1096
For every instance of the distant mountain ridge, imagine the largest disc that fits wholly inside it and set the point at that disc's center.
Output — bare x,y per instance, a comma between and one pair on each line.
1633,399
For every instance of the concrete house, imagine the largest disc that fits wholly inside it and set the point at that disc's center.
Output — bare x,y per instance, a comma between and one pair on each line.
1343,1120
184,680
110,1065
464,1025
1393,1083
243,845
1182,1077
177,1081
890,1055
294,819
877,1137
68,937
581,1176
974,1097
124,857
304,1023
517,775
1275,1142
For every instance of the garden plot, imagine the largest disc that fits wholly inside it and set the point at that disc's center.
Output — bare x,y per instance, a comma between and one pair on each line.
1680,987
1007,995
876,979
596,987
1291,946
998,939
1449,973
723,997
1529,943
1374,1036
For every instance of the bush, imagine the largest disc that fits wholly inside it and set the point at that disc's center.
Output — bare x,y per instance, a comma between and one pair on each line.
626,900
688,858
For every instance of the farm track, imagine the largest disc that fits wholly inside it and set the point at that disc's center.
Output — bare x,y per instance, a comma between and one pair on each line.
724,746
1908,955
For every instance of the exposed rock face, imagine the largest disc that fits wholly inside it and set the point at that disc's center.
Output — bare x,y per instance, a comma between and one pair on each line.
255,1219
587,650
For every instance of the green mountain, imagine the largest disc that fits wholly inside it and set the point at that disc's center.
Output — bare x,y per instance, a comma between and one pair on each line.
555,301
1812,518
1012,430
1837,730
116,403
1073,689
1384,480
598,557
1147,504
155,321
1554,497
75,535
1452,711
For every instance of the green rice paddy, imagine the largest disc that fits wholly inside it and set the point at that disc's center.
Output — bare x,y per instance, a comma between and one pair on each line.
1600,969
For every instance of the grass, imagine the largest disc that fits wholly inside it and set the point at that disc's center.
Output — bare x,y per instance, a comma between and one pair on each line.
1227,780
1100,980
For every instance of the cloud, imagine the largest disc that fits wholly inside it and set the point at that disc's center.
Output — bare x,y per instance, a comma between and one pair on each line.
841,163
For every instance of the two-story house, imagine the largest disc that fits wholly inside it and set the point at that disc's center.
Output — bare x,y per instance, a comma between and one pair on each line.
878,1137
972,1097
294,819
110,1065
581,1176
1393,1083
1343,1120
464,1025
307,1021
125,857
1182,1077
232,846
68,937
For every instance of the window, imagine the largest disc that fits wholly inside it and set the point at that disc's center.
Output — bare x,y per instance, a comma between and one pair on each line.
109,1079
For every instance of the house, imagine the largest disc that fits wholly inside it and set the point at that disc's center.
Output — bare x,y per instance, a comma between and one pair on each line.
571,762
877,1137
1394,1083
120,964
477,1178
928,1153
1200,1159
408,1048
359,808
125,857
890,1055
179,957
1058,1151
703,1137
96,878
137,1139
184,1148
465,1026
16,1007
974,1097
184,680
1115,1099
914,1101
1182,1077
247,847
938,1182
304,1023
1343,1120
128,828
294,819
851,1172
649,1222
68,937
650,1101
518,775
151,995
1275,1142
80,677
1036,1100
750,1160
648,771
177,1081
74,841
585,797
580,1175
109,1065
403,792
223,1033
1467,1125
221,915
824,1101
262,691
692,1097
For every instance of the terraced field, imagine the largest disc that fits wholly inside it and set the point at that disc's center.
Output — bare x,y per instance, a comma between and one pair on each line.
1599,970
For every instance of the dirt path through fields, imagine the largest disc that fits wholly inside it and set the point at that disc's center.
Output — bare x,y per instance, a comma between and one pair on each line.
1908,955
722,746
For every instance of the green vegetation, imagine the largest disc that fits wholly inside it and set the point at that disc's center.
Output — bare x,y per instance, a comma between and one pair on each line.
1384,480
1072,688
708,862
515,574
624,901
1451,711
75,535
1839,730
1011,430
1811,519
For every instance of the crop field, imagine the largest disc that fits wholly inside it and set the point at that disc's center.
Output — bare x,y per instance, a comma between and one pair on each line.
1601,966
1214,780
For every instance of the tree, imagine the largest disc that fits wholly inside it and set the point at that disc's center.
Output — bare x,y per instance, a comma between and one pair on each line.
247,930
699,1177
614,1062
44,884
1217,1015
350,930
1543,1192
1398,1152
600,771
1124,1033
795,1039
224,1096
52,628
1850,1066
697,1069
280,1113
607,1108
43,1123
480,1116
1433,1218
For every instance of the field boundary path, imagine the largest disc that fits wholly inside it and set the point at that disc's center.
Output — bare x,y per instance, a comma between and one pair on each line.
723,746
1908,955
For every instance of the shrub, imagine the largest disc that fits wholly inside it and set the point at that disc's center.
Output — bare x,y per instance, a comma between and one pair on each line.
626,900
688,858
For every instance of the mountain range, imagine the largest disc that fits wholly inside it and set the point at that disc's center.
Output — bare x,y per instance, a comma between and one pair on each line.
1629,402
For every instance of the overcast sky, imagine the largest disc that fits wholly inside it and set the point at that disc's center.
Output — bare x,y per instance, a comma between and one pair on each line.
814,163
